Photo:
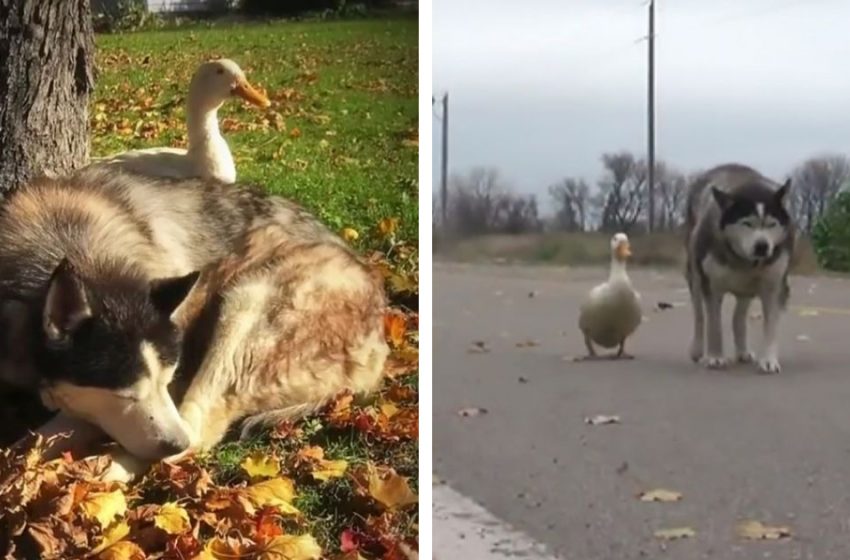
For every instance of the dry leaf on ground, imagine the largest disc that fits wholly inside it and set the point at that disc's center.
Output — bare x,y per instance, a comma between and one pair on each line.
756,530
327,469
124,550
675,533
472,411
261,465
389,488
291,547
478,347
602,419
660,495
104,506
172,518
277,493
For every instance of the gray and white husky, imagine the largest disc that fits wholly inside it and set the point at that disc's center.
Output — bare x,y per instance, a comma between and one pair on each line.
162,312
740,239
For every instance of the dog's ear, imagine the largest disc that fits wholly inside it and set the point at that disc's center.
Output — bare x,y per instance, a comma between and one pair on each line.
723,199
66,306
168,293
782,191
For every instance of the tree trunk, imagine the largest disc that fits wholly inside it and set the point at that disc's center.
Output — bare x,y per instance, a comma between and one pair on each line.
46,77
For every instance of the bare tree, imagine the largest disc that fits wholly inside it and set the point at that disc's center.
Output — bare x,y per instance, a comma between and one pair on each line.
46,53
622,192
814,184
481,203
474,201
517,214
571,197
670,194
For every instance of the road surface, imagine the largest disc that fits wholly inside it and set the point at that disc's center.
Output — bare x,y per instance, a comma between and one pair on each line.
738,445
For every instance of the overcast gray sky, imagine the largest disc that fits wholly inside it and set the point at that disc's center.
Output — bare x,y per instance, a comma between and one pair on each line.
542,90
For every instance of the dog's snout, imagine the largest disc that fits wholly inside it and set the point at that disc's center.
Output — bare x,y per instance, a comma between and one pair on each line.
169,447
761,248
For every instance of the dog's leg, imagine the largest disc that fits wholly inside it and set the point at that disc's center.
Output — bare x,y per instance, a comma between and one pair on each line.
714,356
771,309
125,467
739,330
205,427
698,340
81,436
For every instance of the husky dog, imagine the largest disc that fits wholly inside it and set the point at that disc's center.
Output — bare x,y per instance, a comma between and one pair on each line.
740,240
269,333
92,268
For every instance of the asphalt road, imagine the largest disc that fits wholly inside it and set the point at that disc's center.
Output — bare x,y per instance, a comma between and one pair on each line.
738,445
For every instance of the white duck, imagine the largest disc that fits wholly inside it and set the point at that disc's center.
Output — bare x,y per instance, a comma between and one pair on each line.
612,310
208,155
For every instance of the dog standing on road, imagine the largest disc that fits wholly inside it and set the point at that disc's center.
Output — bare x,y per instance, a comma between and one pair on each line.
740,239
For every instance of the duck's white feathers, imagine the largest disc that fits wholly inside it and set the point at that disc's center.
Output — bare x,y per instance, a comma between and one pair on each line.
612,311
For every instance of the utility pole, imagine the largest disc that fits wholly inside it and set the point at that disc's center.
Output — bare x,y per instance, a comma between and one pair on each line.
651,115
444,163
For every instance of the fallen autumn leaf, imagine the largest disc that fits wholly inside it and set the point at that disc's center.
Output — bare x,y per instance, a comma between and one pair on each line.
675,533
660,495
756,530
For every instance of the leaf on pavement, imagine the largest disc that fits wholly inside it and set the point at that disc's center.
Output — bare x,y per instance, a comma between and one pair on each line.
472,411
601,419
660,495
675,533
756,530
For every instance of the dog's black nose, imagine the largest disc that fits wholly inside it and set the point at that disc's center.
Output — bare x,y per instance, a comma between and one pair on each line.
760,248
167,448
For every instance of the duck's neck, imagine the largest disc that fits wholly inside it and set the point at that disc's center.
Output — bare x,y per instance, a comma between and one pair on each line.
202,124
618,271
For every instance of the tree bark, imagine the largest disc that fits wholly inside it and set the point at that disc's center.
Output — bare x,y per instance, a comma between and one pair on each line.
46,78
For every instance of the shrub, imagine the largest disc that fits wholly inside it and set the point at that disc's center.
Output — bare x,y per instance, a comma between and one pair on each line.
831,235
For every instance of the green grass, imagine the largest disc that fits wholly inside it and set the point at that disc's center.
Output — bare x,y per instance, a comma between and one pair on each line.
350,88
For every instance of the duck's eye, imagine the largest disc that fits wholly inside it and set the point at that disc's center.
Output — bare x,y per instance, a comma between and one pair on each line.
220,71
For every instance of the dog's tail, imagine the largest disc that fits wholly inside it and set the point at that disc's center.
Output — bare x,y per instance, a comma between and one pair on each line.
269,419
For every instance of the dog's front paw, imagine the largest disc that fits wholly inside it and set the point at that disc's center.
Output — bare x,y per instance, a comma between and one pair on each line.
125,468
714,362
746,357
118,473
696,351
769,365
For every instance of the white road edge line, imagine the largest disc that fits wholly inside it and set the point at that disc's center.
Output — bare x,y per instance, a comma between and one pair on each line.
462,529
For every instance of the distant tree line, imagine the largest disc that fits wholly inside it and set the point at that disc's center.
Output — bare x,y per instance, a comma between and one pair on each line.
482,202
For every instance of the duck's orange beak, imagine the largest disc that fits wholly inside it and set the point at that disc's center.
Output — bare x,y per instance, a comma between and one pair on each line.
247,92
624,250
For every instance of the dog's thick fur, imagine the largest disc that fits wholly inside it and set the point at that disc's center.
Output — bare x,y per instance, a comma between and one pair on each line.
94,275
740,240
